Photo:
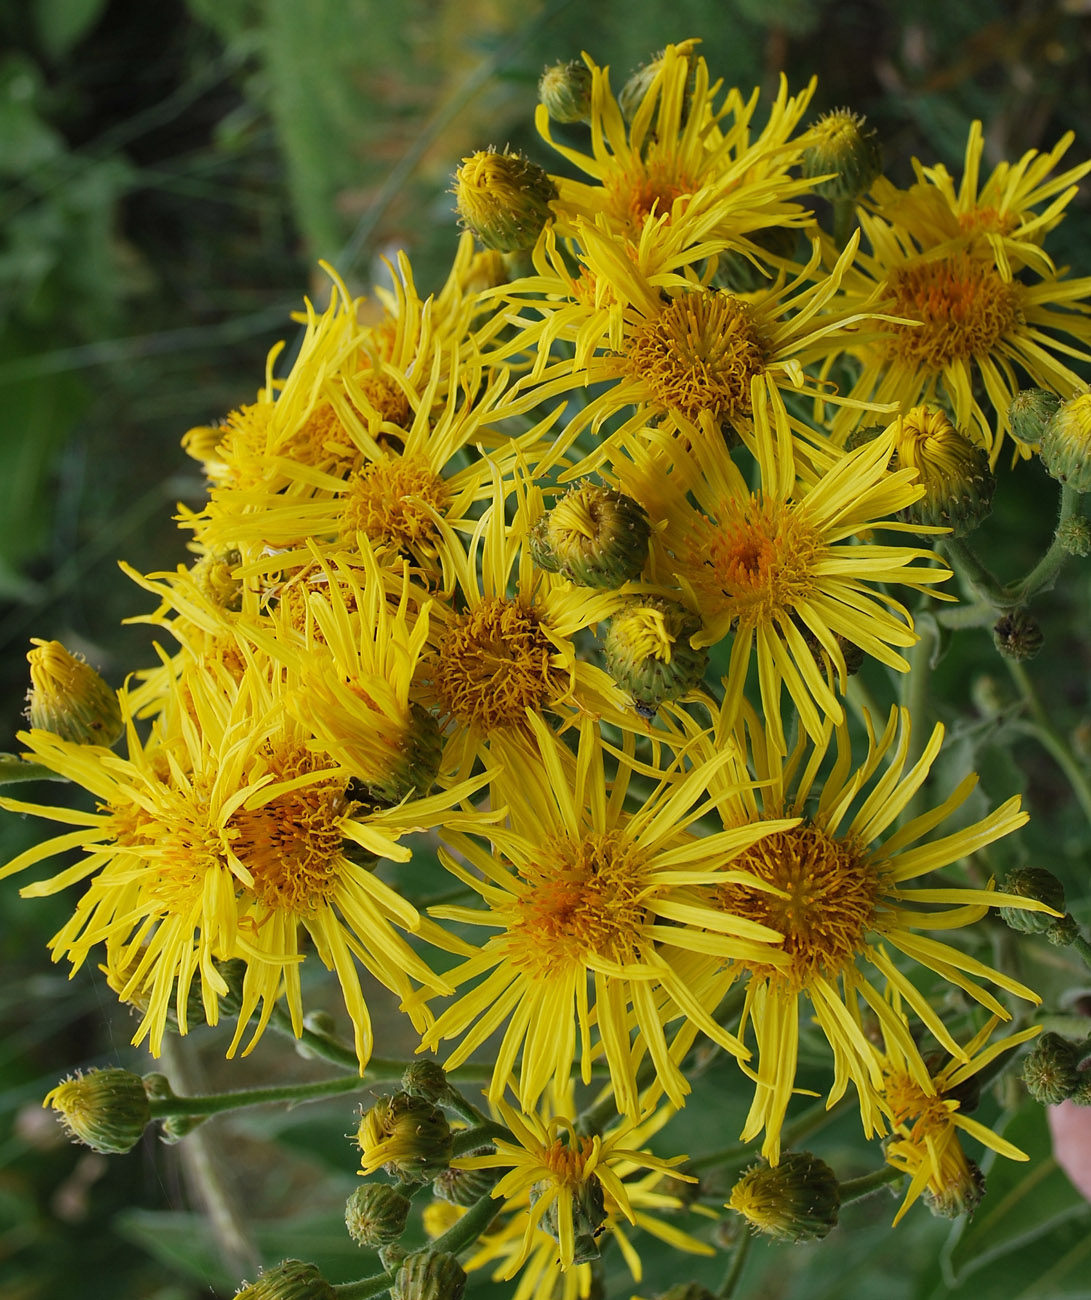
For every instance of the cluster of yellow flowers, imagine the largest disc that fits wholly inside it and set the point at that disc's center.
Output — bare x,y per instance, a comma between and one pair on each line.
569,565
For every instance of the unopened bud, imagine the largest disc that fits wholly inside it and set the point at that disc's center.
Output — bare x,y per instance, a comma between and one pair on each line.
70,699
1017,636
959,1196
565,90
429,1275
635,90
376,1214
1066,443
1064,931
466,1187
1029,413
588,1210
1051,1070
1075,536
504,199
408,1136
291,1279
954,472
594,536
648,651
795,1200
843,148
107,1110
427,1079
1042,887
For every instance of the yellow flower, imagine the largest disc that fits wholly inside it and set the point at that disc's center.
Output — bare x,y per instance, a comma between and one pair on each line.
779,567
840,886
926,1118
591,905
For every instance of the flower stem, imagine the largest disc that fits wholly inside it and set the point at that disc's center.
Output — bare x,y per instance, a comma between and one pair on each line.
855,1189
1051,740
734,1273
469,1139
811,1121
1044,573
217,1103
1080,944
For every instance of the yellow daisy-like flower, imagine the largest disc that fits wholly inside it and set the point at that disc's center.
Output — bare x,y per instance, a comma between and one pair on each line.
841,889
591,904
926,1118
782,571
564,1177
1004,214
227,836
973,329
683,156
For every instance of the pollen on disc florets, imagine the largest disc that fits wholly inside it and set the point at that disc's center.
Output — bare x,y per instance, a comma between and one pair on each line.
584,897
963,305
757,560
495,662
699,354
395,501
291,845
828,904
504,199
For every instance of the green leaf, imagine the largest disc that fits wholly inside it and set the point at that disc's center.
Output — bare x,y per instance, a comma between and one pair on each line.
1023,1201
62,24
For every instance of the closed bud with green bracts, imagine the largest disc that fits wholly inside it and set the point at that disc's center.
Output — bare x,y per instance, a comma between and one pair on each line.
504,199
648,651
1051,1070
291,1279
1063,931
594,536
588,1216
1017,636
408,1136
429,1275
957,1198
844,149
796,1200
106,1110
632,94
1040,885
376,1215
466,1187
68,698
954,472
1029,412
391,1256
1066,443
565,90
427,1079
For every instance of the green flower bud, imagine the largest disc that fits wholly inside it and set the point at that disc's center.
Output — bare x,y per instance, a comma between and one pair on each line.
648,651
391,1256
1029,412
594,536
954,472
640,82
565,90
1017,636
1041,886
795,1200
1051,1070
1062,932
429,1275
588,1216
70,699
408,1136
417,766
376,1214
957,1198
1066,443
107,1110
466,1187
427,1079
504,199
737,273
1075,536
291,1279
842,143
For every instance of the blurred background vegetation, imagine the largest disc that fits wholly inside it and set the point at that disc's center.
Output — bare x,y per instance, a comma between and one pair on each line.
170,174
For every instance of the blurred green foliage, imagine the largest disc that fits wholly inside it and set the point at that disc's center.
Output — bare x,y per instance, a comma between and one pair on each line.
169,175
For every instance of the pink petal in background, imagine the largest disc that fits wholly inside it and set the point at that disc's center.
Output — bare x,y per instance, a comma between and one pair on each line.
1070,1126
